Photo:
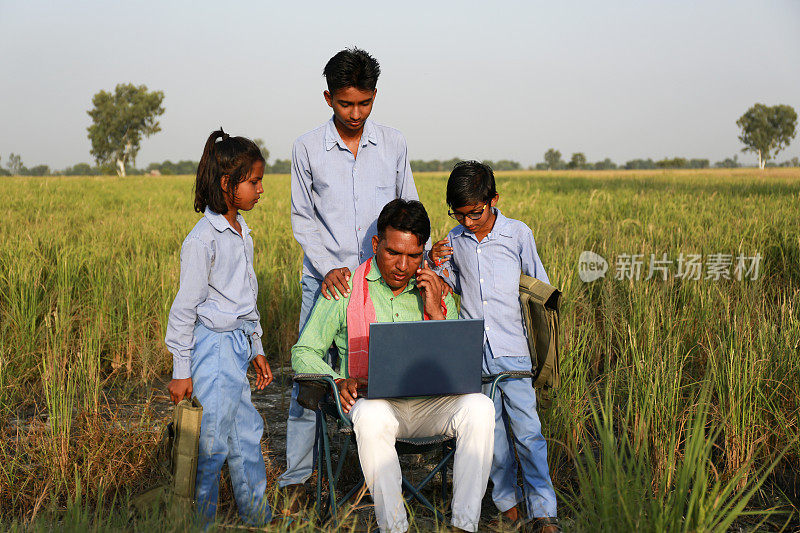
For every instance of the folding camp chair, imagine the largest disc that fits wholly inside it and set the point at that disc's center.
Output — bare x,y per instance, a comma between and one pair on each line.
319,392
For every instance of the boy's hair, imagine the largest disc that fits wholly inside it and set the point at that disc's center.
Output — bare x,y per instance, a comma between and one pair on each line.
405,215
232,156
470,182
352,67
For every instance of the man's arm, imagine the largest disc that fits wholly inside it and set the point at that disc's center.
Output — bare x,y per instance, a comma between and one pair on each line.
304,223
326,319
531,264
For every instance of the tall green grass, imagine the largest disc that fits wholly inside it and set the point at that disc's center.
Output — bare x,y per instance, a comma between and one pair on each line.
89,268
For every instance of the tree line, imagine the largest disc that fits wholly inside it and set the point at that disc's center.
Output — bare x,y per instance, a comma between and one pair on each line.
15,167
121,119
552,161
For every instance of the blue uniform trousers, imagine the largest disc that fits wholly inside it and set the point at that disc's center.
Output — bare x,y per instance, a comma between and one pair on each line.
515,410
231,427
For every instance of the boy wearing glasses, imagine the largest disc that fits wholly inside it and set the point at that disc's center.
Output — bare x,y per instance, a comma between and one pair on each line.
481,259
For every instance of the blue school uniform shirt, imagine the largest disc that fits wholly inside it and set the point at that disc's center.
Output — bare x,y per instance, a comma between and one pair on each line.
336,198
486,275
218,288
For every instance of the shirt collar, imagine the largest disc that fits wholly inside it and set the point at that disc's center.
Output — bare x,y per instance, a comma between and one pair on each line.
374,275
332,137
501,227
220,223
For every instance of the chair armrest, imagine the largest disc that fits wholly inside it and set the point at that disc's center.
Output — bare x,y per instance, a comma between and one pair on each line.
495,379
325,380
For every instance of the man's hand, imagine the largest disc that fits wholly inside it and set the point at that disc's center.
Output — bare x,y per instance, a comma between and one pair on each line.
430,285
440,252
337,278
348,391
263,372
446,288
180,389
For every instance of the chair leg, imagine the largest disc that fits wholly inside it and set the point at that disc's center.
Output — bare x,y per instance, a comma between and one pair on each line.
352,492
444,475
320,453
417,495
342,456
329,470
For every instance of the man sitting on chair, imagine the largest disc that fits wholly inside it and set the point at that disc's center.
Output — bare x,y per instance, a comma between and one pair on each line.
393,286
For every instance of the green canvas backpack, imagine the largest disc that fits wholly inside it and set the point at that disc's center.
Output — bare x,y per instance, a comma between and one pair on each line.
175,458
540,306
186,424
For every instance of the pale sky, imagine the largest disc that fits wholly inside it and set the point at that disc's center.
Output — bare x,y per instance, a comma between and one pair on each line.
484,80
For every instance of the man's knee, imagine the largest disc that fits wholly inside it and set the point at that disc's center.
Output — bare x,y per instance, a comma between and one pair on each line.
476,411
373,417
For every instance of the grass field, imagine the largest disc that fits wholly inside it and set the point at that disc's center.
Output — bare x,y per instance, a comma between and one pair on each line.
679,404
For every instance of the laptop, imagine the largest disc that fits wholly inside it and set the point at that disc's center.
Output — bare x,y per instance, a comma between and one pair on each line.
425,358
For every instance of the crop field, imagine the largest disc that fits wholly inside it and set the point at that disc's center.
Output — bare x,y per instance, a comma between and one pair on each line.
680,397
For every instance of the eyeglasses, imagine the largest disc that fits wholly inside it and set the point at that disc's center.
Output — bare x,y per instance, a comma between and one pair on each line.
459,217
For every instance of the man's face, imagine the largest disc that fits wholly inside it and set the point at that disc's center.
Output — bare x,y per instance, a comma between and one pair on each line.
398,255
351,107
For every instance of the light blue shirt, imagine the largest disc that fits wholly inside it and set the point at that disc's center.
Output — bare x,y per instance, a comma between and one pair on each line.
218,288
486,275
336,198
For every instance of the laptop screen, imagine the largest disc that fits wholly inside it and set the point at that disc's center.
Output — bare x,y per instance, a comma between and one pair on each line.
425,358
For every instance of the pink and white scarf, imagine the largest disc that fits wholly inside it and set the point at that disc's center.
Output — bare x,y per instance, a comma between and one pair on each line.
360,314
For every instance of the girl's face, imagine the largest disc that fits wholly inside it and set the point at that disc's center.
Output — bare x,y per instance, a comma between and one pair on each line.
250,190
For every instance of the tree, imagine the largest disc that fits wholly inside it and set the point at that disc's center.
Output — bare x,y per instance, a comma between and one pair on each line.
15,165
263,148
675,162
639,164
81,169
605,164
578,160
281,166
767,130
728,162
553,159
119,122
39,170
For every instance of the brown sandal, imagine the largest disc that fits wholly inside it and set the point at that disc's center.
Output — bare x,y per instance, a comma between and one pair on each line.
547,524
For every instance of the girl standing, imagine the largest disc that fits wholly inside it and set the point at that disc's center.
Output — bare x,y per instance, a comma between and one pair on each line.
213,331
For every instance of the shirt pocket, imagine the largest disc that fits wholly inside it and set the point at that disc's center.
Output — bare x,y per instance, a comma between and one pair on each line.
506,276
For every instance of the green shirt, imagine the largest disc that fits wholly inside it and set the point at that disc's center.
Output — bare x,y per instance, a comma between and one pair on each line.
328,323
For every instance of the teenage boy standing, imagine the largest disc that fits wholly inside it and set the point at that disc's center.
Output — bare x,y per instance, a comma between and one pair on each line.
343,173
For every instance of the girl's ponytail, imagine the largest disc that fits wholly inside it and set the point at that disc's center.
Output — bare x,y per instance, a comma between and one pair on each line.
231,156
207,170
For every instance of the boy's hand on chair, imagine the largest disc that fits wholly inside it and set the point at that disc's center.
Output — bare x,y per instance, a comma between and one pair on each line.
337,278
180,389
263,372
348,391
440,252
431,287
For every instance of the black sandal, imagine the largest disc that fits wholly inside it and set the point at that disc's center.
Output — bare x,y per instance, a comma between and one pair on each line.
538,525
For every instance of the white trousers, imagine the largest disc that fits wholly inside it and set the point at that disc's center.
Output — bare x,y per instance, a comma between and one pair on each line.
468,417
